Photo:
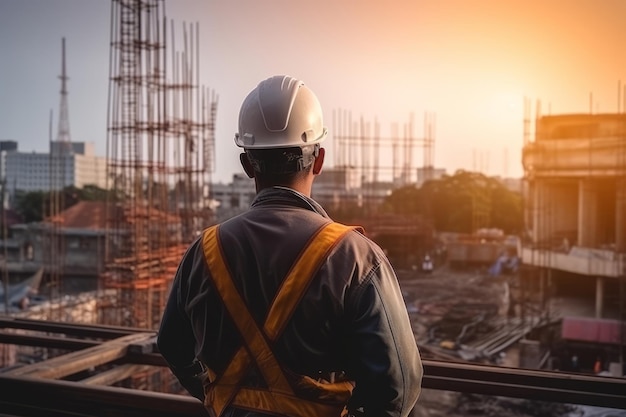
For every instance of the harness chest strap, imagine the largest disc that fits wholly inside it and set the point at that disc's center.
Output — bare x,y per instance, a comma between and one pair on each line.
279,396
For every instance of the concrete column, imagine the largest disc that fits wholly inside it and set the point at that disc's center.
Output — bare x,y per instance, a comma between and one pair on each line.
587,213
599,296
620,215
534,212
540,212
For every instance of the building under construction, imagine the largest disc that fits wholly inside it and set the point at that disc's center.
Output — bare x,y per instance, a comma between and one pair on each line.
368,165
160,152
159,161
575,214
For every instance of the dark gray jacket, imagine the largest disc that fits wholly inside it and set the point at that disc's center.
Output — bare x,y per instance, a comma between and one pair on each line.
352,317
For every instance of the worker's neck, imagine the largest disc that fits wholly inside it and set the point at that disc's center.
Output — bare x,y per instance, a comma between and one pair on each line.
303,186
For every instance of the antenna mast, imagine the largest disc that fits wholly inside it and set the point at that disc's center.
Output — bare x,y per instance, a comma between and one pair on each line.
63,133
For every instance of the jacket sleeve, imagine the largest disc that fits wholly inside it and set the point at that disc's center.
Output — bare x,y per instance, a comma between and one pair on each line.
175,339
383,356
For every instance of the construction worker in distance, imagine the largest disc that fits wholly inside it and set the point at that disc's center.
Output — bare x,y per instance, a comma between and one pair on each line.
280,311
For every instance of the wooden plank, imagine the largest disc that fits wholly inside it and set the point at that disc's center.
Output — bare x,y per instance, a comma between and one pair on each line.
74,362
114,375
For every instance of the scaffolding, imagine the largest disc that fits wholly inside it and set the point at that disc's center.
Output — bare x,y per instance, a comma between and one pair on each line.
367,165
160,156
362,153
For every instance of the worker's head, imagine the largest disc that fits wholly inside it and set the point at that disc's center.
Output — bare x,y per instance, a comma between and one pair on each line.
281,129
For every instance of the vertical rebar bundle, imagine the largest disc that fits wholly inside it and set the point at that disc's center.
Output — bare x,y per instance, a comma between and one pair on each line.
359,149
160,153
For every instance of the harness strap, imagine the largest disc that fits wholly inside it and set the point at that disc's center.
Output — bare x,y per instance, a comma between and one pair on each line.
279,397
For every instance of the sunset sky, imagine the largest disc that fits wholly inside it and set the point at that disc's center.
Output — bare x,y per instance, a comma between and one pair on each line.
469,62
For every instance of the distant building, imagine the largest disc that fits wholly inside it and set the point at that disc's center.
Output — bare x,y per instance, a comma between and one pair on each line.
67,164
575,204
8,145
79,233
82,236
233,198
5,147
335,185
342,185
429,173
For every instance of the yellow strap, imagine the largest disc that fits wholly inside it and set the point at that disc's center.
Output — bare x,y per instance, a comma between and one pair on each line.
258,399
281,309
299,277
253,337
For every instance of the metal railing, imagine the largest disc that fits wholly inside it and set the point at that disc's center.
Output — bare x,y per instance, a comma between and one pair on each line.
23,395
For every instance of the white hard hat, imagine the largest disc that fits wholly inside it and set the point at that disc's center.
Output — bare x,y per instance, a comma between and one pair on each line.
281,112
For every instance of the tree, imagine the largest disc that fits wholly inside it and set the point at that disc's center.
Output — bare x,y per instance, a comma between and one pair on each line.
461,203
30,205
92,193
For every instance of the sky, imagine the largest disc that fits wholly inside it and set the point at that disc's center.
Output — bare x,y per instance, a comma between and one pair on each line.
470,63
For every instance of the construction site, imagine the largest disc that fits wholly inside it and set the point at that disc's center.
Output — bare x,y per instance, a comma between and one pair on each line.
506,325
160,156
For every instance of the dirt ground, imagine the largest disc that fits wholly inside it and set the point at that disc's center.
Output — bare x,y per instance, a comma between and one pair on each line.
439,305
442,303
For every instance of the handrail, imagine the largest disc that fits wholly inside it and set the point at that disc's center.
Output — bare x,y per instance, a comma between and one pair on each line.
553,386
28,396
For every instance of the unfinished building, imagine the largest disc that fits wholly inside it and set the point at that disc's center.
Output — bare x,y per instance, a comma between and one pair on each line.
160,153
575,213
367,167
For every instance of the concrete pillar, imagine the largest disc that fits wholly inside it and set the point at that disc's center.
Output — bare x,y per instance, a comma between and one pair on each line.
620,215
534,212
540,212
599,296
587,213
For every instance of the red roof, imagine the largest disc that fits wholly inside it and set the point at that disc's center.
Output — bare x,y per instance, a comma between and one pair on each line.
83,215
93,215
593,330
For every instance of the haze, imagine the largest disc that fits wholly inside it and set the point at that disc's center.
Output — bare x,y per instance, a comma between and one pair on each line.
471,63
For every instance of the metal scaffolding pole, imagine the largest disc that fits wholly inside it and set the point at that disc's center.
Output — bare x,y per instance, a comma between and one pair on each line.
160,157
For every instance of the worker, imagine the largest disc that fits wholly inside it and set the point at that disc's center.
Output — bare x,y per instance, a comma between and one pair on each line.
280,310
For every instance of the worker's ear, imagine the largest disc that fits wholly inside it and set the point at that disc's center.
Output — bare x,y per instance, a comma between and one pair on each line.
319,162
247,166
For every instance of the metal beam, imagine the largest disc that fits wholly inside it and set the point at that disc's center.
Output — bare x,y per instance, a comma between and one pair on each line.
34,397
66,397
560,387
75,329
551,386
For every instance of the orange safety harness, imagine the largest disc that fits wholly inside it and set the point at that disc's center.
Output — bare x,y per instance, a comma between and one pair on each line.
285,394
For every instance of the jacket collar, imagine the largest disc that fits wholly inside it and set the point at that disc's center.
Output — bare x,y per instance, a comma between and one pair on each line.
287,196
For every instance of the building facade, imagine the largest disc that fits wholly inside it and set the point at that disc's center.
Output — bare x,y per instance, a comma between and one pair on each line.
575,211
6,146
74,165
233,198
